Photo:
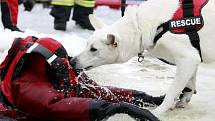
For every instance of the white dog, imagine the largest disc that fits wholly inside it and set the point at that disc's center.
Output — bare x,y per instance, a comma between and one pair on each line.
136,31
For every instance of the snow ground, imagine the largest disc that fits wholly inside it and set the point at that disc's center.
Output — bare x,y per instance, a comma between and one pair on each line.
151,76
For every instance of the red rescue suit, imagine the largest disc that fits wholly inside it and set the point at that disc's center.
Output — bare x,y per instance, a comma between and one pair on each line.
9,9
38,87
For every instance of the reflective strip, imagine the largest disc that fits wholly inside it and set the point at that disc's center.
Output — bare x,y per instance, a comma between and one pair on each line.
86,3
32,47
51,59
43,51
63,2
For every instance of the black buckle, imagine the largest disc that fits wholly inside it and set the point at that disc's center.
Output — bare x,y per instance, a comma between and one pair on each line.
140,57
34,38
188,5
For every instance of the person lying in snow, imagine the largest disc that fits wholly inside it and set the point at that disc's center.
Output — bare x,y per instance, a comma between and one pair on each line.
39,83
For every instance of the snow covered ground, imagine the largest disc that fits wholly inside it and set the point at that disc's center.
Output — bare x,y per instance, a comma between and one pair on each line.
151,76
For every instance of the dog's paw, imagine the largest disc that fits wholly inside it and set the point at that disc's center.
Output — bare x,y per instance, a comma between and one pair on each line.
184,100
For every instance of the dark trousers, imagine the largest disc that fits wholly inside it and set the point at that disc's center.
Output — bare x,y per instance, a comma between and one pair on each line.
62,13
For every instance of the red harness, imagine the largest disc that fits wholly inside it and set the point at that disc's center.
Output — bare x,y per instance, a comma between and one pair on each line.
186,20
179,15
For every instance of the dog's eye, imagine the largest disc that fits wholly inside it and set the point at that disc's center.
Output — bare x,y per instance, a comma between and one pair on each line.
92,49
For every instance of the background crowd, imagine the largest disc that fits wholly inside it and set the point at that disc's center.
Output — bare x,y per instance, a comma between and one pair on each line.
60,10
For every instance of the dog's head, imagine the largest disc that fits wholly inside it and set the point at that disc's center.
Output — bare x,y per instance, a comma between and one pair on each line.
102,47
116,43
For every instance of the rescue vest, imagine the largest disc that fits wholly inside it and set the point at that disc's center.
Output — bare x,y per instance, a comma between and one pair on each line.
52,50
187,15
186,20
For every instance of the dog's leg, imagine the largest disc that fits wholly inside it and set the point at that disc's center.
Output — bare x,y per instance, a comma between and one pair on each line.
187,60
185,70
187,93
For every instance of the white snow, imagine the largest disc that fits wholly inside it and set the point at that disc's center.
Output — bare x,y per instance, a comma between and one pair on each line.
151,76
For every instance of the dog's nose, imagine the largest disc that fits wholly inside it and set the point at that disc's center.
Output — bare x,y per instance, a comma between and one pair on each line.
73,62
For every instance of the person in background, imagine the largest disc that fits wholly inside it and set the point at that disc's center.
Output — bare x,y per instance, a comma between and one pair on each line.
9,10
62,9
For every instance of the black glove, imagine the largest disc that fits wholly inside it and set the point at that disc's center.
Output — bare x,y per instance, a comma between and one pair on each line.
28,4
142,99
100,110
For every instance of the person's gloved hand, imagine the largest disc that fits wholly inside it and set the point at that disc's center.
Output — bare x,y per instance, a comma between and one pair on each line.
28,4
142,99
100,110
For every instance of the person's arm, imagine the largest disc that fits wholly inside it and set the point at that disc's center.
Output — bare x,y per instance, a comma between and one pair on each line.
103,110
39,99
116,95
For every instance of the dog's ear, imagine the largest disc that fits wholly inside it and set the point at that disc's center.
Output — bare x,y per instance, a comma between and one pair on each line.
96,22
112,40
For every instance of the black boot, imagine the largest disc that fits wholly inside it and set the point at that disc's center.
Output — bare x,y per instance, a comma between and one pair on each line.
61,15
59,25
20,2
80,16
14,28
28,4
